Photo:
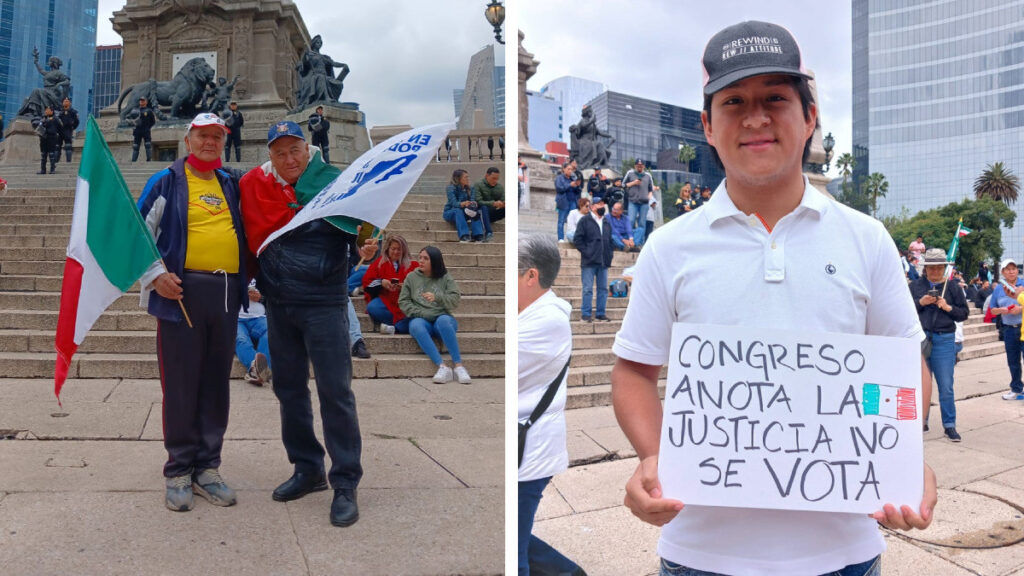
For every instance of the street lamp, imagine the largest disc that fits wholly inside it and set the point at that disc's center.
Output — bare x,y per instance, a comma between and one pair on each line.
495,14
829,142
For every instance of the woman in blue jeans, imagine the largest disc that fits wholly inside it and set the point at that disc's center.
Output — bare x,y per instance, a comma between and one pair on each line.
461,197
429,296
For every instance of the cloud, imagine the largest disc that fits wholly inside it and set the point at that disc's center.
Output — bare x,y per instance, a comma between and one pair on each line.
406,56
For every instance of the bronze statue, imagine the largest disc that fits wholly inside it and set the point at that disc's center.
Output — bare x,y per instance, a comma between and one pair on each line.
586,144
56,87
183,94
317,82
216,98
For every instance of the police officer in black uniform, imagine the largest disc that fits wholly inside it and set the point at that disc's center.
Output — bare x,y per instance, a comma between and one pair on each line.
143,124
48,130
319,127
234,120
68,118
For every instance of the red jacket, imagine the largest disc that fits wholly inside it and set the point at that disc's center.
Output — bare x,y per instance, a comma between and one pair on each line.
266,206
383,269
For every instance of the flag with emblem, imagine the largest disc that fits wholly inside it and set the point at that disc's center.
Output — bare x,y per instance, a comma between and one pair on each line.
893,402
108,251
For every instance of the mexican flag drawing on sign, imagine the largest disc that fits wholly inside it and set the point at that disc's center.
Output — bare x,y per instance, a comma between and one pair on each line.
109,249
889,401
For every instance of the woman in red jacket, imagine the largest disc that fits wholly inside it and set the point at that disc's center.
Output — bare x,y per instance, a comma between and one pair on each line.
382,284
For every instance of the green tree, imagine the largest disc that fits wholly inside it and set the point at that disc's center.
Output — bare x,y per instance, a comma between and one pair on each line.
850,195
846,164
686,155
937,226
627,165
998,183
874,187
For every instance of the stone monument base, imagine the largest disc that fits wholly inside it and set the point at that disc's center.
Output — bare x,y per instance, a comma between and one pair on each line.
349,137
541,195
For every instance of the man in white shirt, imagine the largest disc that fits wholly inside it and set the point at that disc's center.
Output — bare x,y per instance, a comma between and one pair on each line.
251,344
545,344
795,259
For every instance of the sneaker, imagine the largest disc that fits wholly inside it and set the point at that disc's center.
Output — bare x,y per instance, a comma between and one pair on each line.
252,377
1011,395
952,435
359,349
179,494
211,486
262,367
356,291
602,318
443,374
586,319
462,375
488,237
478,238
464,240
386,329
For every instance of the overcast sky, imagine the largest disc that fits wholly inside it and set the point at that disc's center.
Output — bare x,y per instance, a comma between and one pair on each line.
406,56
653,48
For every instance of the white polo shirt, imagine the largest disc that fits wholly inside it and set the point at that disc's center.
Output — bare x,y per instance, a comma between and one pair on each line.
823,268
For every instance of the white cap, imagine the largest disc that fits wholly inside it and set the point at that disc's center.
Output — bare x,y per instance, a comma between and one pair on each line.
207,119
1006,262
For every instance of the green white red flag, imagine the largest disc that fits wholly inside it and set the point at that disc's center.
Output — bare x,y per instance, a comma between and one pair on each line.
109,250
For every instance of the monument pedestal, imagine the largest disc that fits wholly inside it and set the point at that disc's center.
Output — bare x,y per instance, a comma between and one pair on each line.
20,144
541,195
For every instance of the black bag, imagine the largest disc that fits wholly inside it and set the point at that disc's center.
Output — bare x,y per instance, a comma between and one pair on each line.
542,406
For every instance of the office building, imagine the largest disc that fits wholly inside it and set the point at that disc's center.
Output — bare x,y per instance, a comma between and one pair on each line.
62,28
938,94
107,77
572,94
484,91
654,131
545,122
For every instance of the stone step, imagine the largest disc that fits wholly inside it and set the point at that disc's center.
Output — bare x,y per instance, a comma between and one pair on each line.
593,341
143,342
139,320
982,350
614,314
59,232
581,328
405,210
586,376
53,254
598,395
41,365
51,301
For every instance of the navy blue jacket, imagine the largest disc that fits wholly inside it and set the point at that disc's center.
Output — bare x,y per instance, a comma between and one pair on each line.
164,207
307,266
594,242
567,197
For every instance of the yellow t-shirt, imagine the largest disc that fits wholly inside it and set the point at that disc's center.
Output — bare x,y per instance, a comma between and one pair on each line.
212,243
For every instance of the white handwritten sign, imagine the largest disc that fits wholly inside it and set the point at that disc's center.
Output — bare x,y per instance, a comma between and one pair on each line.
792,420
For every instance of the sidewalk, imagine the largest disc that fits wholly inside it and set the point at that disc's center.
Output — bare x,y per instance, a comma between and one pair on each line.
81,490
979,517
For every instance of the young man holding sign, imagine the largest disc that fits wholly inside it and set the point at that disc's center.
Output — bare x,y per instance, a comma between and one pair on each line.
799,261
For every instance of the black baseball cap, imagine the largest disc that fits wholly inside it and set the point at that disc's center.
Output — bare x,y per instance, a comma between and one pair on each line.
748,49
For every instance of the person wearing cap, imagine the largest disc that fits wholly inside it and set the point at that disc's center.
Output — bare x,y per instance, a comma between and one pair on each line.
567,196
141,132
303,279
192,210
47,128
68,118
941,304
788,269
320,127
639,188
234,120
1004,304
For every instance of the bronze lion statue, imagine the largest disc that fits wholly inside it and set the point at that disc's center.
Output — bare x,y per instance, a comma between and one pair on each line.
182,94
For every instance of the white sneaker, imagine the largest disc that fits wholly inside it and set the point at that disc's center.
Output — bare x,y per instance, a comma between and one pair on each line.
462,375
386,329
443,374
1011,395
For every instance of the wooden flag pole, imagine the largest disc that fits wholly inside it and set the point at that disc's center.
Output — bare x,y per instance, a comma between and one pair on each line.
181,301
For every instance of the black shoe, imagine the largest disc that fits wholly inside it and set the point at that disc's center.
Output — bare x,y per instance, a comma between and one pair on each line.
925,428
952,435
359,349
299,485
602,318
344,510
587,319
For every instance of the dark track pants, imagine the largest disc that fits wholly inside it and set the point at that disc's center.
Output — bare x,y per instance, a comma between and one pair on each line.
195,366
318,334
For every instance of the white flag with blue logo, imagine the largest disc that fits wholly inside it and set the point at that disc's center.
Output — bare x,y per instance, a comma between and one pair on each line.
372,188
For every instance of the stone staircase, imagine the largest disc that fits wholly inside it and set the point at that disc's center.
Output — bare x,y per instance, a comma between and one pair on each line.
592,361
35,218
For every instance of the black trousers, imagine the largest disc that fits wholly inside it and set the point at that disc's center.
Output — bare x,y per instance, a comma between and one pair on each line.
322,140
195,366
299,335
237,142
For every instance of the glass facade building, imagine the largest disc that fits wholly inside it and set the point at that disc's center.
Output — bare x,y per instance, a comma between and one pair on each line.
653,131
572,94
545,122
107,78
62,28
938,94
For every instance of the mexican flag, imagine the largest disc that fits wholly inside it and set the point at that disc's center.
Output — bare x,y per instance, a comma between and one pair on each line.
109,249
889,401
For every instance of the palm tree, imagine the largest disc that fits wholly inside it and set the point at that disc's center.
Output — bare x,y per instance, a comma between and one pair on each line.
997,183
875,186
846,163
686,155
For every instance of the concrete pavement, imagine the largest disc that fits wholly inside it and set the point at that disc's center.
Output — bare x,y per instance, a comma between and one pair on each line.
81,490
978,524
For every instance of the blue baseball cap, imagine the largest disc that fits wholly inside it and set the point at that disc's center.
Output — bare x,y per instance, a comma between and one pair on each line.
282,129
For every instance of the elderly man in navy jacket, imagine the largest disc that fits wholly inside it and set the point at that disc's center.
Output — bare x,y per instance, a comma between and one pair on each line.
593,238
